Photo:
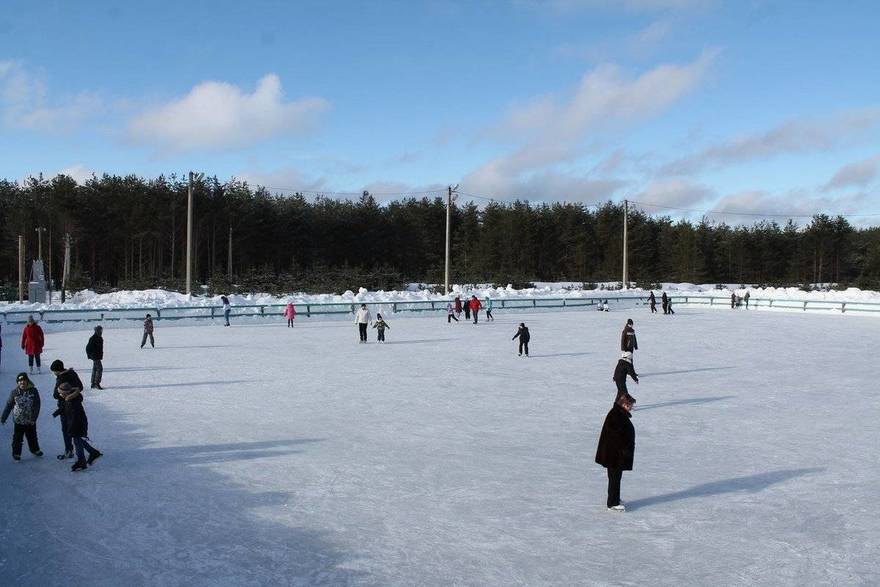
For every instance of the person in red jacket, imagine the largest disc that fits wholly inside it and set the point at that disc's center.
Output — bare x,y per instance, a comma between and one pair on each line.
32,342
475,306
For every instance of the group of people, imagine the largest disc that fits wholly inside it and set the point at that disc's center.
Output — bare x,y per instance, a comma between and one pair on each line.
364,318
24,406
665,303
736,301
470,307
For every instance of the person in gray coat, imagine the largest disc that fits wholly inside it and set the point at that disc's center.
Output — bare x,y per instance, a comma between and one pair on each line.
24,403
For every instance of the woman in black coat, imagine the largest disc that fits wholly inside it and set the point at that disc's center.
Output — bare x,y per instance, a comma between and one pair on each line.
617,446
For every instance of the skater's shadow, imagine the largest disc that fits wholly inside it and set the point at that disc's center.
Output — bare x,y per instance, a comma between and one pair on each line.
683,371
186,384
748,484
218,453
559,355
203,346
136,369
682,402
420,341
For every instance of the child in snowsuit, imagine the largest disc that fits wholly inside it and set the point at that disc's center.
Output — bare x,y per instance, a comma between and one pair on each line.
290,314
450,313
523,334
24,403
617,446
77,426
624,368
32,343
148,331
380,325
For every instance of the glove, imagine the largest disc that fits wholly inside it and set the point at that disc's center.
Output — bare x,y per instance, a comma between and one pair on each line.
56,413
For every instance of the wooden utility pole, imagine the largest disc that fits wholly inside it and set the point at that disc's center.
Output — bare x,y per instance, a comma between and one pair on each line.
20,269
189,226
40,230
229,265
450,190
625,268
65,275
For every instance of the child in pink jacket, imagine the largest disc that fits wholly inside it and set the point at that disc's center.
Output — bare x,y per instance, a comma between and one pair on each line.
290,314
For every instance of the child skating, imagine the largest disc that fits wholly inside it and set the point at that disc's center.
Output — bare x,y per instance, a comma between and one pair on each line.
380,325
24,403
523,334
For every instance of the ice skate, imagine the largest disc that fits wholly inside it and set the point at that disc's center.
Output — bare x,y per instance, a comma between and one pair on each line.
65,455
79,466
617,508
94,457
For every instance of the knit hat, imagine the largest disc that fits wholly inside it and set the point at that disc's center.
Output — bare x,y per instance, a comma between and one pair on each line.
56,365
629,322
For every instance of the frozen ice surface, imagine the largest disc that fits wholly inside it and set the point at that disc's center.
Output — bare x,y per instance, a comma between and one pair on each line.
262,455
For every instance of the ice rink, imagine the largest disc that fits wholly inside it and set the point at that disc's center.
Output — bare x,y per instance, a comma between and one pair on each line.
262,455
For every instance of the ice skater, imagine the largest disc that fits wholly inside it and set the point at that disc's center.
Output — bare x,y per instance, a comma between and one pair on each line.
664,302
69,377
363,318
617,446
624,367
489,316
746,299
24,403
475,307
653,301
95,353
450,313
457,308
628,342
32,341
467,309
290,314
380,325
148,331
77,426
732,300
227,308
523,334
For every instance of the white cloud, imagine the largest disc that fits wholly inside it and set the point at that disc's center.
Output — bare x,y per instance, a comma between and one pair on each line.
216,115
285,179
794,136
675,193
858,174
26,103
78,172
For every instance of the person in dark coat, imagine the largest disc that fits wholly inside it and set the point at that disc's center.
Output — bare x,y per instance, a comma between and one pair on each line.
617,446
69,377
523,333
732,300
77,426
746,299
1,344
467,309
628,342
624,367
664,302
95,353
653,301
457,307
24,403
148,331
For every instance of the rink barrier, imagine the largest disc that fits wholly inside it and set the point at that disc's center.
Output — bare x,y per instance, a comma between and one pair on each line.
317,309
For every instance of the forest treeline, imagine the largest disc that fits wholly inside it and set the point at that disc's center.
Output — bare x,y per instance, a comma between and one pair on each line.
130,232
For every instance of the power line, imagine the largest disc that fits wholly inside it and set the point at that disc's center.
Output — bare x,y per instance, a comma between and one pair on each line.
754,214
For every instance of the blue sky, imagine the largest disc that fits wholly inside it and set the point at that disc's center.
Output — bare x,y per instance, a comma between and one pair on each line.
746,106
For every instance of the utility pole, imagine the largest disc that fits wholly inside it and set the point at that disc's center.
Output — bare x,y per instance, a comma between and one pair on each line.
189,227
625,268
20,269
450,190
65,275
229,265
40,230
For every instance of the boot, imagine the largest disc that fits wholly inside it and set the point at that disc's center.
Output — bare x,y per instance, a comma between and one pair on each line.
65,455
79,466
94,457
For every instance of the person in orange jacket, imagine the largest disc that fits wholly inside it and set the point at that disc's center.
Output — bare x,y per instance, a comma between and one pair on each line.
475,306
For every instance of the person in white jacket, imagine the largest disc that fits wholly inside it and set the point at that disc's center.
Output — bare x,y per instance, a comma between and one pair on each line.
363,318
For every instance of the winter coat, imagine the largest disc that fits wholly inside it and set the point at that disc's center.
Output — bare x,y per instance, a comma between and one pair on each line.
24,405
32,339
475,305
71,378
290,312
488,303
148,326
617,442
664,299
363,316
652,299
95,348
458,305
450,309
628,342
76,422
381,324
623,369
523,333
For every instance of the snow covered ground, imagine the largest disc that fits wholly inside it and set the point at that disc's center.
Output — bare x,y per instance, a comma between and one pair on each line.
261,455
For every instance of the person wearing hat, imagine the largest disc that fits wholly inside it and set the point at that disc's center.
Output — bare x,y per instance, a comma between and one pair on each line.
24,403
380,325
363,318
148,332
77,426
524,337
95,352
617,445
62,376
624,368
32,341
628,342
